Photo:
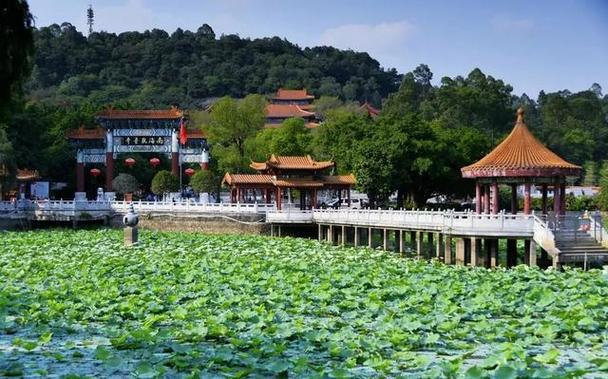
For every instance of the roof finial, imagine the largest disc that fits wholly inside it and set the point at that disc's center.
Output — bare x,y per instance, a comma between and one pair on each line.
520,115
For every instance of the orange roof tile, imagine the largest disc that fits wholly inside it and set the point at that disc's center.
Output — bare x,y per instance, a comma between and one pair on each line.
240,179
520,154
292,94
309,182
27,174
146,114
196,134
286,111
339,179
308,125
291,163
82,133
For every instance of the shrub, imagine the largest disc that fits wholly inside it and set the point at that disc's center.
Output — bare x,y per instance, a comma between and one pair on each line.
164,182
204,181
125,183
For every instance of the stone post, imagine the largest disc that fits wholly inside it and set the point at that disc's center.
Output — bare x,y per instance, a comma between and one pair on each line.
474,251
356,230
532,253
109,160
460,251
447,256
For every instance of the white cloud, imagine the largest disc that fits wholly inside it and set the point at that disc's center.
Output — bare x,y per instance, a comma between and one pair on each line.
379,39
507,23
128,16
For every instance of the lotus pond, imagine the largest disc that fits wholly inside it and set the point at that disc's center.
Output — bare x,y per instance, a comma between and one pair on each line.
78,304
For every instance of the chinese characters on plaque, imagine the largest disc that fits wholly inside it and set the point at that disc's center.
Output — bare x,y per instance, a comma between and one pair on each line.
141,140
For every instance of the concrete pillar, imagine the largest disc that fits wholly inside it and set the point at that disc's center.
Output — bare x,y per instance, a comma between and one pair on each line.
556,262
385,239
330,234
271,230
418,244
526,252
279,230
460,251
474,251
320,233
527,199
511,252
401,237
494,253
532,253
438,244
447,256
356,241
430,246
343,236
369,238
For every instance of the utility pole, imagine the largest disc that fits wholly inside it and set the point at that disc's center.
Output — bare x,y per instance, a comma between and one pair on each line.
90,16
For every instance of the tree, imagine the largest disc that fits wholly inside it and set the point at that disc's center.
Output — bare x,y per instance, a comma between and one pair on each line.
204,181
602,198
7,162
164,182
16,45
125,183
232,123
291,138
90,18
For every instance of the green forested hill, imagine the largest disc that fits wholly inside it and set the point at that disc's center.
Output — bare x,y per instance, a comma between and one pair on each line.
155,68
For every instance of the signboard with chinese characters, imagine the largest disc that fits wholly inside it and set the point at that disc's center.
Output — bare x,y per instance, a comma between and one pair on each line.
142,140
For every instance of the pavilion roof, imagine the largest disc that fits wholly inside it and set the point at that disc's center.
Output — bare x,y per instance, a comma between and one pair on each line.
292,94
88,134
369,109
27,174
286,111
305,162
519,155
300,182
308,125
141,114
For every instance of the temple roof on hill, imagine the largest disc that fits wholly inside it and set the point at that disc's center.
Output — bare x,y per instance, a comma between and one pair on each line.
369,109
308,125
521,154
286,111
27,174
291,163
82,133
300,182
292,94
141,114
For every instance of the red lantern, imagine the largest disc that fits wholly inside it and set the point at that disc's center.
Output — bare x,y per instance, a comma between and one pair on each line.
95,172
130,162
154,162
190,172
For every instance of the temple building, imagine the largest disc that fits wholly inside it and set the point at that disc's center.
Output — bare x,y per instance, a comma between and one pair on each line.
279,175
290,104
520,160
136,131
370,110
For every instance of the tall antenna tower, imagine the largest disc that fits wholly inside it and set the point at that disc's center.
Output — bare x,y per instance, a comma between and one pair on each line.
90,16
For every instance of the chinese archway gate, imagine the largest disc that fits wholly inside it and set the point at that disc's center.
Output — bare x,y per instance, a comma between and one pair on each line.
136,131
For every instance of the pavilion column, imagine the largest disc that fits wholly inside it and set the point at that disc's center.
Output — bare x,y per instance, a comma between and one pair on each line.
527,200
486,199
562,198
109,160
174,154
278,195
514,204
544,199
556,200
79,172
477,197
495,198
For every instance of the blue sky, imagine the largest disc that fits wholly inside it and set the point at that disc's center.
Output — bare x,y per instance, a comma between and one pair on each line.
532,45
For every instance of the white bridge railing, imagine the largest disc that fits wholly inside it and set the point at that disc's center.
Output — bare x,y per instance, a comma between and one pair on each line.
461,223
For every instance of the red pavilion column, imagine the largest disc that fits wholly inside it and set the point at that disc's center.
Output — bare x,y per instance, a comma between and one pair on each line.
544,199
174,154
79,177
495,199
486,199
562,198
109,160
527,198
514,205
477,197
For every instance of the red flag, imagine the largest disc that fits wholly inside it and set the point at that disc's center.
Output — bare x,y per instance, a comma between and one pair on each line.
182,132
